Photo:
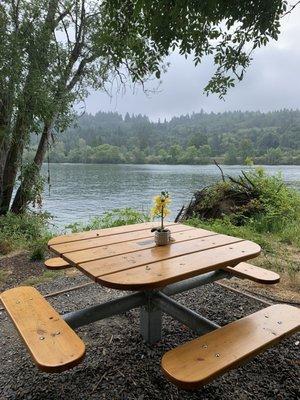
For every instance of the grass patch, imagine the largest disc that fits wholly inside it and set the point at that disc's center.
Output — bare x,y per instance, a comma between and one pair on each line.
46,276
110,219
225,227
3,275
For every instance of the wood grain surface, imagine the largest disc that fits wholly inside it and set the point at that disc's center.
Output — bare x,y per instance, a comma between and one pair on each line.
162,273
56,263
103,232
53,345
254,273
127,258
199,361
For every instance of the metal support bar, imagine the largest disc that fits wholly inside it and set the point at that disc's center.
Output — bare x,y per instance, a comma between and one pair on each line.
194,321
192,283
95,313
154,303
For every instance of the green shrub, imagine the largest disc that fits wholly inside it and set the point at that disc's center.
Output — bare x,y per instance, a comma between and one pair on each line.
254,206
290,234
23,231
38,248
280,204
116,217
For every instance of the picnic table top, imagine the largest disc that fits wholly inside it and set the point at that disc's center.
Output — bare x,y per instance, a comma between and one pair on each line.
127,258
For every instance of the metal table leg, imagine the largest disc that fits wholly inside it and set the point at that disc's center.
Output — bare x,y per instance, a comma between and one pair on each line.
153,304
150,323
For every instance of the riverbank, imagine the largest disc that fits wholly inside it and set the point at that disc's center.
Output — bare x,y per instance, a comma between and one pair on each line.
266,212
23,245
256,161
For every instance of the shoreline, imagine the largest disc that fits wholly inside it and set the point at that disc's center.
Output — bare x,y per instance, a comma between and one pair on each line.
166,164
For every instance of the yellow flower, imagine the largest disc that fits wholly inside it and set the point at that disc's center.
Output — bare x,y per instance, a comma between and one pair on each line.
166,212
160,206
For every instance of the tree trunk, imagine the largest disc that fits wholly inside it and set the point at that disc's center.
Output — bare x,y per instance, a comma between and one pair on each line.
3,155
24,194
26,109
6,108
14,157
10,75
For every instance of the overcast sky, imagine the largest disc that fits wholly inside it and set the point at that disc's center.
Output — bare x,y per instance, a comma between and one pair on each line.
272,82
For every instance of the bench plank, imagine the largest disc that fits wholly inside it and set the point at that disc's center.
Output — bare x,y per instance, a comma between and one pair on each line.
197,362
53,345
254,273
57,263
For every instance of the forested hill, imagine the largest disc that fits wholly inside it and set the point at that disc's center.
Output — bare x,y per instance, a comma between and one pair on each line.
231,137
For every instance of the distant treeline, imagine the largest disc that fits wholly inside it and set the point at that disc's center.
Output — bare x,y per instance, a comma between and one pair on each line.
230,137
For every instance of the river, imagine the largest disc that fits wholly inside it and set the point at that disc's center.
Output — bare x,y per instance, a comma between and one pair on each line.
81,191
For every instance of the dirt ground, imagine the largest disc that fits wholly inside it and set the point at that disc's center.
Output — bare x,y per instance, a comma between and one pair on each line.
118,365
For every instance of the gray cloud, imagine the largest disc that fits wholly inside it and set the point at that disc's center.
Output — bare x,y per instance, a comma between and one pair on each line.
272,82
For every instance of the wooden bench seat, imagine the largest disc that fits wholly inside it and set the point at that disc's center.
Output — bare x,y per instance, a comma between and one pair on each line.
56,263
253,273
197,362
53,345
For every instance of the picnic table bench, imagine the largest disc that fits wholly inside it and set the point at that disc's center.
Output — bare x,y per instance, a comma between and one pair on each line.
126,258
53,345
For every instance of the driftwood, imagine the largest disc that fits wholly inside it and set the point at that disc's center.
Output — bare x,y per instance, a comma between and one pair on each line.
237,197
222,173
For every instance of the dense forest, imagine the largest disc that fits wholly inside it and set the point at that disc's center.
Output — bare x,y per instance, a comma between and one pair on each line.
230,137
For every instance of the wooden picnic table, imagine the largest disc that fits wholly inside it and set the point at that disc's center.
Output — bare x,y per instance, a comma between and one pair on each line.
127,258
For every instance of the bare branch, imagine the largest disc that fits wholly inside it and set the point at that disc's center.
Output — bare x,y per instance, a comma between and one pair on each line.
80,71
61,17
15,7
57,51
222,173
67,34
291,9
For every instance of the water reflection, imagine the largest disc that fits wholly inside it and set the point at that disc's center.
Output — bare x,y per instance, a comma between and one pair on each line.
80,191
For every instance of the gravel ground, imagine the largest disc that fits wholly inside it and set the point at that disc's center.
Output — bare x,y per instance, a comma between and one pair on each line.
17,268
118,365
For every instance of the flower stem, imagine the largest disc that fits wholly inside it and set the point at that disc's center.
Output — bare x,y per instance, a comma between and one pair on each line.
162,218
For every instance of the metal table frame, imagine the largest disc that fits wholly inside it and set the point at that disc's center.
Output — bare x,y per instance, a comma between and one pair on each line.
153,303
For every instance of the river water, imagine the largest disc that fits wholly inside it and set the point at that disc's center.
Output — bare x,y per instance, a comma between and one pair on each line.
81,191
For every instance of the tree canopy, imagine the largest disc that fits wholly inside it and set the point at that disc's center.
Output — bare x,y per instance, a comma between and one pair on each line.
52,52
228,31
230,137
